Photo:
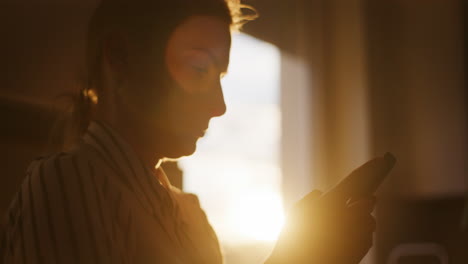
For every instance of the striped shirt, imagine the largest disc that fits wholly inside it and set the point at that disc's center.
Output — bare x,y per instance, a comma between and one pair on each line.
100,204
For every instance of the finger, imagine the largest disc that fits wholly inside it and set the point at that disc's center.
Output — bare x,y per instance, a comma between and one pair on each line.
371,199
309,199
307,204
365,205
365,245
313,195
362,224
369,224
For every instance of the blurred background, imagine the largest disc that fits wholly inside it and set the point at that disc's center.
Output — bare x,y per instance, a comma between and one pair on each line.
315,88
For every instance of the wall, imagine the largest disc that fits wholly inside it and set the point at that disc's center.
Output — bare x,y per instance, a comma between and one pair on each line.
419,95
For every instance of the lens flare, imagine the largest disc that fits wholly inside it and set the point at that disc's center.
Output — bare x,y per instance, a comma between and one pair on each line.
258,216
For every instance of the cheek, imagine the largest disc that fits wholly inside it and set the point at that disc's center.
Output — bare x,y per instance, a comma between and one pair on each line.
183,108
188,114
192,94
177,72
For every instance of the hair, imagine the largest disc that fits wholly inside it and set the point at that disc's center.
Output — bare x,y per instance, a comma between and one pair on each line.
146,23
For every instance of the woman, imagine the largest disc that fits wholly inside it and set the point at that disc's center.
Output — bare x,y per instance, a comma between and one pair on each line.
154,70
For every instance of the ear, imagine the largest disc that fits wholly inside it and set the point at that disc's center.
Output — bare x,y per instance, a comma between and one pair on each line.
115,54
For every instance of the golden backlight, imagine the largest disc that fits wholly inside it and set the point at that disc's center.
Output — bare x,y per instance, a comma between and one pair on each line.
258,216
236,170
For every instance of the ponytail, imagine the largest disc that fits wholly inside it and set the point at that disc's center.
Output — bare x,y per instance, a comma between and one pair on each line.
82,110
81,116
72,120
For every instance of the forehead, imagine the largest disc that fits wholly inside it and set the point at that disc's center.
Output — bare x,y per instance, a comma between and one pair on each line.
205,32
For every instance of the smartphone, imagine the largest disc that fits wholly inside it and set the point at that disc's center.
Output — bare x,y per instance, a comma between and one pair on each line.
365,180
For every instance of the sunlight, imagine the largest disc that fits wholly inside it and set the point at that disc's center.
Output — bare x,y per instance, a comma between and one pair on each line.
258,216
236,171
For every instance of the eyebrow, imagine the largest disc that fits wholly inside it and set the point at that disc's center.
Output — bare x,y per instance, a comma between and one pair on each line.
213,57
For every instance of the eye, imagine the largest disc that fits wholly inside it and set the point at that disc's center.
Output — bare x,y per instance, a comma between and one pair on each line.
198,63
200,69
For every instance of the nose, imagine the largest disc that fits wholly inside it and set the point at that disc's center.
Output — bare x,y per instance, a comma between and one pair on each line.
218,108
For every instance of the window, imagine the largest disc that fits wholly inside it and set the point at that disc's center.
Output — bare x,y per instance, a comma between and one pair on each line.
236,170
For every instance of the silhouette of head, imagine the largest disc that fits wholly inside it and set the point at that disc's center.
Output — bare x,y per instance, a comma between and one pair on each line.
156,65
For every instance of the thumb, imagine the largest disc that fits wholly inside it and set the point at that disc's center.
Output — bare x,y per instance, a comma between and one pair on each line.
310,197
307,201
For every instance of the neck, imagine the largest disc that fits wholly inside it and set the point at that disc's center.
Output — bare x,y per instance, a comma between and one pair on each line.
133,132
142,145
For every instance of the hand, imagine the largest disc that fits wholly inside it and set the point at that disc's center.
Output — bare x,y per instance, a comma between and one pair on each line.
334,228
321,229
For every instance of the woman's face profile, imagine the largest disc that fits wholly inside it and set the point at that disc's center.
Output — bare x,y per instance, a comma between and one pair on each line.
196,58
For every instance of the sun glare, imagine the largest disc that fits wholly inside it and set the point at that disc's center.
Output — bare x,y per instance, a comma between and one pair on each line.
258,216
236,171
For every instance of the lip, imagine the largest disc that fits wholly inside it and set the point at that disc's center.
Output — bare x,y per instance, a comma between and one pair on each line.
202,133
197,133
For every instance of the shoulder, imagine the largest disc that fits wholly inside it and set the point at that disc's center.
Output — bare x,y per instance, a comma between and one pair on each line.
59,212
54,174
185,198
57,160
189,204
64,175
57,166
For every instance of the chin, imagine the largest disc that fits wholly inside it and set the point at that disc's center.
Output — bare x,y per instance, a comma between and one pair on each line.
182,149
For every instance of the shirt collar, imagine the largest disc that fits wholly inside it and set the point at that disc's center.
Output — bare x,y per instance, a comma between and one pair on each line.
123,158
